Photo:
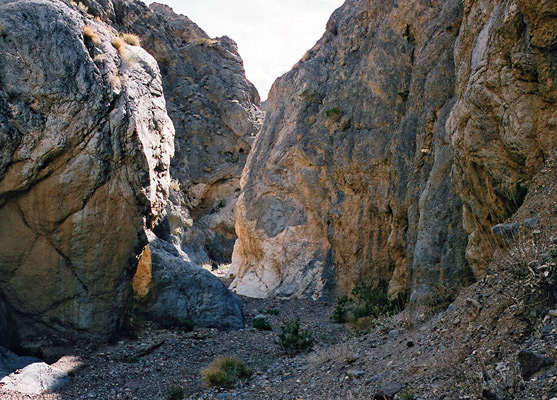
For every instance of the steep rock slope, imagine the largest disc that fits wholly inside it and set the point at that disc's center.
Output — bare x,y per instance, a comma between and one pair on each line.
216,114
84,169
377,164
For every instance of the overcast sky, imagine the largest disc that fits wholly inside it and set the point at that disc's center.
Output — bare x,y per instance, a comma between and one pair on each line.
272,35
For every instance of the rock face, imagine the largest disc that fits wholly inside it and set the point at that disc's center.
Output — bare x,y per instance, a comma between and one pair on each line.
84,168
174,289
216,115
394,145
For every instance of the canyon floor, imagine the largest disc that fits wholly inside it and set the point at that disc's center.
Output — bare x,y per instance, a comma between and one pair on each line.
466,351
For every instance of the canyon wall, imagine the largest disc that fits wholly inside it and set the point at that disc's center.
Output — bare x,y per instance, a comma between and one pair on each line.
216,115
394,145
84,169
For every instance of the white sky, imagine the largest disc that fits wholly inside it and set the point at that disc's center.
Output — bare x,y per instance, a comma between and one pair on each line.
272,35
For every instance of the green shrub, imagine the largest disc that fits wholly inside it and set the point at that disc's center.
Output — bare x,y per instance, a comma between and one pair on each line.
225,372
310,96
407,395
293,340
184,324
404,94
261,324
340,312
334,113
174,392
273,311
365,303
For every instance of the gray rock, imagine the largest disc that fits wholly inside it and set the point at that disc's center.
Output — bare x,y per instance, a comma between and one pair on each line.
531,362
183,290
5,330
388,391
85,148
393,334
354,373
506,231
529,222
29,374
216,115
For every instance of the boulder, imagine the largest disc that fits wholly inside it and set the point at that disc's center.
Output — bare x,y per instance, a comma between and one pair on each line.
84,169
531,362
173,289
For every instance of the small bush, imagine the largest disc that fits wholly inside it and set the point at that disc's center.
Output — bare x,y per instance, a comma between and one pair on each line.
273,311
174,392
90,33
206,42
407,395
340,312
131,39
334,113
404,94
293,340
177,323
225,372
261,324
312,97
440,298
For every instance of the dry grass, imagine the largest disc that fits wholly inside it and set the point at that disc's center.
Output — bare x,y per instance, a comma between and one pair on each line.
90,33
131,39
118,44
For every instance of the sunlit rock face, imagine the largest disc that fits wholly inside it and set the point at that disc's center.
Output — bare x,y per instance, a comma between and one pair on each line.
393,146
216,114
84,169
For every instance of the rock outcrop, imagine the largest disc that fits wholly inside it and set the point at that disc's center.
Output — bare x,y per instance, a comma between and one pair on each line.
394,145
215,111
84,169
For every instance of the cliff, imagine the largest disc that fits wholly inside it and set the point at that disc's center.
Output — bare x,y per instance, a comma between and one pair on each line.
396,143
84,169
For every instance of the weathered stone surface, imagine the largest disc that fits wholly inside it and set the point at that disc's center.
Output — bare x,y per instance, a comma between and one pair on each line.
216,115
392,148
349,178
180,290
531,362
504,123
29,374
84,169
5,331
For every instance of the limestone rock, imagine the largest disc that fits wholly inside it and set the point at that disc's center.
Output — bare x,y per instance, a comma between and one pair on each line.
179,290
349,178
84,168
395,144
216,114
29,374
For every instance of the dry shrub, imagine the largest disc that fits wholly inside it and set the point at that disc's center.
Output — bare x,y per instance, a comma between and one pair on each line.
225,372
90,33
118,44
131,39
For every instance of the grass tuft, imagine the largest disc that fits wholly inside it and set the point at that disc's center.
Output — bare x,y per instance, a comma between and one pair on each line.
225,372
90,33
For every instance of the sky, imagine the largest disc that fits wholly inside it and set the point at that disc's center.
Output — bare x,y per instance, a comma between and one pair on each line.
272,35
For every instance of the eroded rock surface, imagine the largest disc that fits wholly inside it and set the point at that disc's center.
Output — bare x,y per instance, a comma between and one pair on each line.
216,114
84,169
394,145
175,290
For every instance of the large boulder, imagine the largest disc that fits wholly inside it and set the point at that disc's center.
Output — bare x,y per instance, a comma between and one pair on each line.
171,288
84,168
394,145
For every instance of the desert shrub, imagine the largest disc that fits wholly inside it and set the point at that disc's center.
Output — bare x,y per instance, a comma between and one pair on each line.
334,113
310,96
90,33
118,44
404,94
206,42
365,304
273,311
174,392
293,340
406,395
261,324
225,372
131,39
340,312
440,298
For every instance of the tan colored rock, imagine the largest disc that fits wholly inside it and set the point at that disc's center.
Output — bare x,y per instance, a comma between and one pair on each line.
86,147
